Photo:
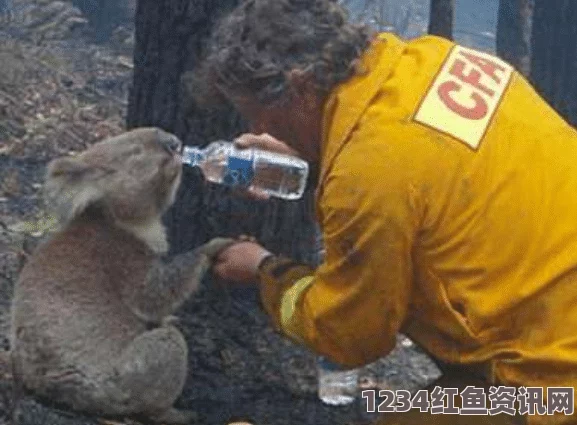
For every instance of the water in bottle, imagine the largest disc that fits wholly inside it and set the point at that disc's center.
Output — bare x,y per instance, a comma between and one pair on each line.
275,174
337,386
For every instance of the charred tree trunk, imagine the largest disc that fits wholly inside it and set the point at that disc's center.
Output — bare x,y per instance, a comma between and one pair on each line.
514,33
554,55
441,18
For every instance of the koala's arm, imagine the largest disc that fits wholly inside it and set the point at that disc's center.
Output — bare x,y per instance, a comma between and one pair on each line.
169,283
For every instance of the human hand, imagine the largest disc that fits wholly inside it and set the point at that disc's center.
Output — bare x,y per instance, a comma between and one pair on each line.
239,262
215,245
264,142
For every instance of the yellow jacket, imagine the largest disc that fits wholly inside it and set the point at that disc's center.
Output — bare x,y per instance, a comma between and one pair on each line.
448,203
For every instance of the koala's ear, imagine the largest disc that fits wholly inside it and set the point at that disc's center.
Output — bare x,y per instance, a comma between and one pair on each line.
69,187
67,166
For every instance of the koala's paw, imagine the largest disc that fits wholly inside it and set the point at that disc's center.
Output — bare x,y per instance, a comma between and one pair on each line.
214,246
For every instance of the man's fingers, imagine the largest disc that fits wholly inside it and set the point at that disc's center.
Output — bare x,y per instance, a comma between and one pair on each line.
258,194
218,268
265,142
254,140
253,194
221,269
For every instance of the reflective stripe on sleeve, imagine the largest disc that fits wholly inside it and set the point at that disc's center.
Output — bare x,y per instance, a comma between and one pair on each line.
288,305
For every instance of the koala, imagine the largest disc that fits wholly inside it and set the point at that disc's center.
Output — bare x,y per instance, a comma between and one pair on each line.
91,326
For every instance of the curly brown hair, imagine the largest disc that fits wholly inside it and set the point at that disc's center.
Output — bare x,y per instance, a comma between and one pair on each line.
254,47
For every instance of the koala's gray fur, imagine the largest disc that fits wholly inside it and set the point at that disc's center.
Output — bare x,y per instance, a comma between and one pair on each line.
89,314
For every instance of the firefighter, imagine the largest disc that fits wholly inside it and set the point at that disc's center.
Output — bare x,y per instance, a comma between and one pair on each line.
446,193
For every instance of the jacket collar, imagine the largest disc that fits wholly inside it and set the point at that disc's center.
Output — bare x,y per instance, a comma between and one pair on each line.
347,103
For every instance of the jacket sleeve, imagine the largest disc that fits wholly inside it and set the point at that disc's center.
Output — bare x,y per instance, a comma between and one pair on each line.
351,308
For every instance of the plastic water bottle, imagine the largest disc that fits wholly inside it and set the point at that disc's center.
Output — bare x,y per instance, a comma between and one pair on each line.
337,386
275,174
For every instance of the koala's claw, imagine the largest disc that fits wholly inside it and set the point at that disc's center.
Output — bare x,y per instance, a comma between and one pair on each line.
214,246
170,321
247,238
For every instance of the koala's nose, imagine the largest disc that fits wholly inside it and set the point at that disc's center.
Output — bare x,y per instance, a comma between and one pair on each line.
171,143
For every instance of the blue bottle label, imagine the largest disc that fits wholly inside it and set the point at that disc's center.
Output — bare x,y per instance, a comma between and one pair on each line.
196,158
239,172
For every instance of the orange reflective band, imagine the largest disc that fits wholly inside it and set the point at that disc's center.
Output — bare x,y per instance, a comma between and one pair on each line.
288,305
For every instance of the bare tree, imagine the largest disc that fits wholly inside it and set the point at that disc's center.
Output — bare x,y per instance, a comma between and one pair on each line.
514,33
553,64
441,18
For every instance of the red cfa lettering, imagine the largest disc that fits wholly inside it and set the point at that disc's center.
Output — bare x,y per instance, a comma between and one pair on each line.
476,112
473,78
487,66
